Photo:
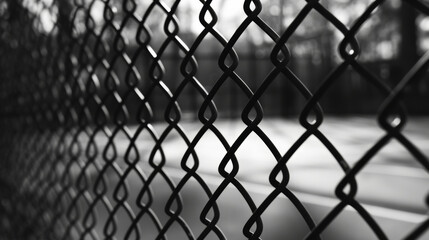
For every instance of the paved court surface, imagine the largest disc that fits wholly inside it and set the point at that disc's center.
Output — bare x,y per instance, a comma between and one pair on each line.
393,187
391,177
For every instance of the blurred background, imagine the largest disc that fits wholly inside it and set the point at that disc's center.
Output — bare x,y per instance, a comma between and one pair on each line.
390,42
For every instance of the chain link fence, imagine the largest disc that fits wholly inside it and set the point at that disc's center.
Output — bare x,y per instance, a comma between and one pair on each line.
93,92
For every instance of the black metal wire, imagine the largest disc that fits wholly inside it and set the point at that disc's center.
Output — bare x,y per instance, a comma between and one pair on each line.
74,94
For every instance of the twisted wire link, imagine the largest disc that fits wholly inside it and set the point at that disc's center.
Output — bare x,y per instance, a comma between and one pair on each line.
79,115
101,117
190,160
68,140
144,199
348,56
252,124
228,68
280,57
94,169
88,85
393,130
69,149
172,114
120,192
349,51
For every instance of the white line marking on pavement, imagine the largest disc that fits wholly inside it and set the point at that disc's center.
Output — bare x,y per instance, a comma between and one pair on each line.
258,188
400,171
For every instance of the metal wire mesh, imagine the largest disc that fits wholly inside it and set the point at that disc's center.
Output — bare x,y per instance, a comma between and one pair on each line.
84,85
